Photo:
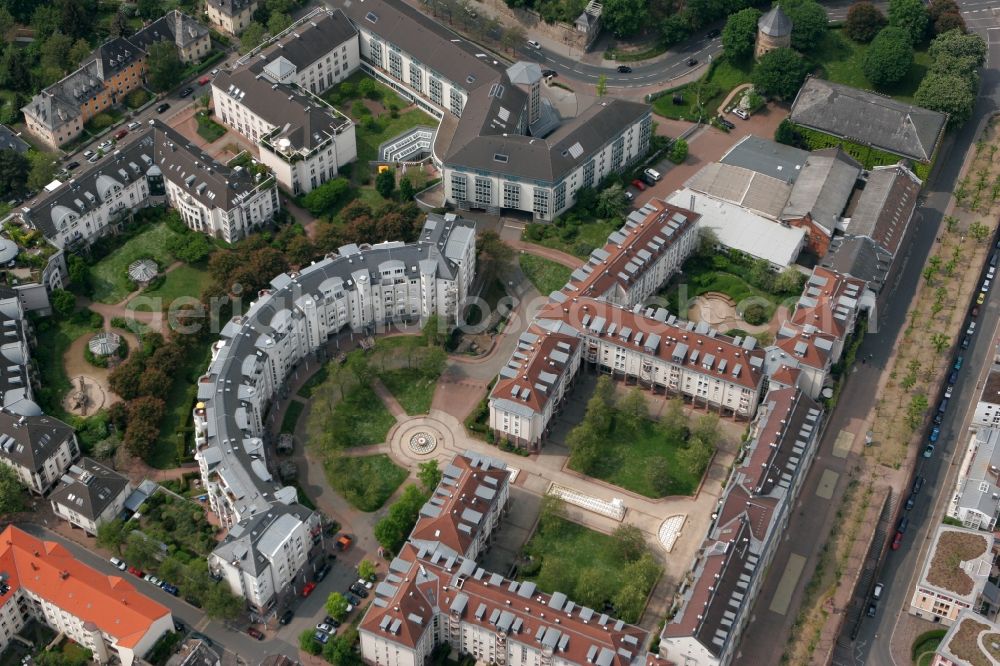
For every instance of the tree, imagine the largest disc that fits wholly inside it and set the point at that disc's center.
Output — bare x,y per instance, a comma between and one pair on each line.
611,202
809,22
63,302
322,200
492,256
916,411
119,25
888,58
602,85
658,475
76,17
278,22
593,587
585,448
695,456
144,416
251,37
780,73
629,543
954,43
140,550
191,248
339,651
13,493
789,281
629,601
979,231
164,66
911,16
949,21
513,37
429,475
406,189
678,151
624,17
947,93
220,603
14,169
308,642
43,169
367,569
632,408
392,530
551,513
7,22
864,20
149,9
54,51
81,49
336,606
15,73
385,181
940,341
740,34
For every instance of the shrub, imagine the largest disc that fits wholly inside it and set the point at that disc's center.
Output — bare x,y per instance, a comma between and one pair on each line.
136,98
101,121
755,314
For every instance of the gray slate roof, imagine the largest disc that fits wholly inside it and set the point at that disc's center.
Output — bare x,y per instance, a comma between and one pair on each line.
29,441
980,482
88,488
307,43
248,540
159,149
868,118
859,257
885,207
174,26
775,23
823,187
11,141
767,157
231,7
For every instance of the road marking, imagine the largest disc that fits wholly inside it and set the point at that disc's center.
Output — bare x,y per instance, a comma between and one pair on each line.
827,484
843,444
786,586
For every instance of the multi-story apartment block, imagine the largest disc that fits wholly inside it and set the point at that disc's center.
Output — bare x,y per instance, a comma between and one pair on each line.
969,641
272,100
40,580
465,510
230,16
117,67
89,495
159,167
500,144
958,565
976,500
357,288
269,554
714,602
39,448
987,414
16,393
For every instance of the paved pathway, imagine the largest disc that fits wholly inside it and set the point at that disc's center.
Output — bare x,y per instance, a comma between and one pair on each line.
557,256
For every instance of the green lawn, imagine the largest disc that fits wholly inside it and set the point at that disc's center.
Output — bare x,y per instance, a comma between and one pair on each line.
841,59
579,240
306,390
545,274
292,415
208,129
182,281
925,645
176,430
411,387
54,337
360,419
109,276
589,567
624,460
721,78
367,482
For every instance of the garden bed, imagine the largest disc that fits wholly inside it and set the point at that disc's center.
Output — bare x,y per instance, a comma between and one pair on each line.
208,129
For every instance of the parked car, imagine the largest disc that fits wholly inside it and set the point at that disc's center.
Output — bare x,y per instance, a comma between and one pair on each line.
948,391
958,362
624,69
741,113
171,589
320,637
981,298
136,571
132,125
121,134
629,196
256,633
935,433
966,341
877,592
728,124
918,483
638,184
872,608
184,93
323,571
972,313
928,451
652,173
359,591
118,564
150,578
953,377
88,153
325,628
985,286
286,617
691,62
903,524
713,33
897,541
366,583
104,145
991,272
204,80
910,501
179,626
353,601
72,165
162,107
93,158
332,621
549,73
308,589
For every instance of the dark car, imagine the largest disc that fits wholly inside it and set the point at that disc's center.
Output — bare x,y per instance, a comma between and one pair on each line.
938,418
728,124
966,341
332,621
910,501
72,165
171,589
360,591
903,524
953,377
691,62
871,609
958,362
184,93
973,313
713,33
179,626
353,600
323,571
256,633
624,69
549,72
918,483
162,107
286,617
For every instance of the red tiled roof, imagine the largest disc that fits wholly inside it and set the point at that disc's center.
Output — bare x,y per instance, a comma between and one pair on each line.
803,345
828,297
538,359
48,570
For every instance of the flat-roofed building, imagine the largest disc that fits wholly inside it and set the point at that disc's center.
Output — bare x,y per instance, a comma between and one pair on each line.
976,500
954,573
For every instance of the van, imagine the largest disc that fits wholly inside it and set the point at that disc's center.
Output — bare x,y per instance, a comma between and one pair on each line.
533,44
995,258
943,407
652,173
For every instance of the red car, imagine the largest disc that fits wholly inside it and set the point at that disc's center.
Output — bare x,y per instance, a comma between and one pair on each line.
307,590
638,184
203,80
898,541
256,633
136,572
120,134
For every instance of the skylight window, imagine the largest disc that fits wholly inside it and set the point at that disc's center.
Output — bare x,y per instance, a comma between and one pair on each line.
371,17
500,157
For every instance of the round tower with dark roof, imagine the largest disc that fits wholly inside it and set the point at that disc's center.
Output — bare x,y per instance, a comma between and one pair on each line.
774,31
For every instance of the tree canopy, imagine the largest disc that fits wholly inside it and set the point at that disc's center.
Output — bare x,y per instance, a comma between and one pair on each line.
164,66
624,17
13,493
889,58
911,16
809,22
740,33
864,20
780,73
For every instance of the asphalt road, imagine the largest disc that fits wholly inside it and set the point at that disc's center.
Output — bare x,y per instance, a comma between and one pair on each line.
872,645
231,637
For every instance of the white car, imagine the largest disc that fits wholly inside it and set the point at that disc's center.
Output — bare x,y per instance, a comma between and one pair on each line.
118,564
986,286
533,44
652,174
104,145
93,158
741,113
366,583
877,592
325,628
88,154
132,125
